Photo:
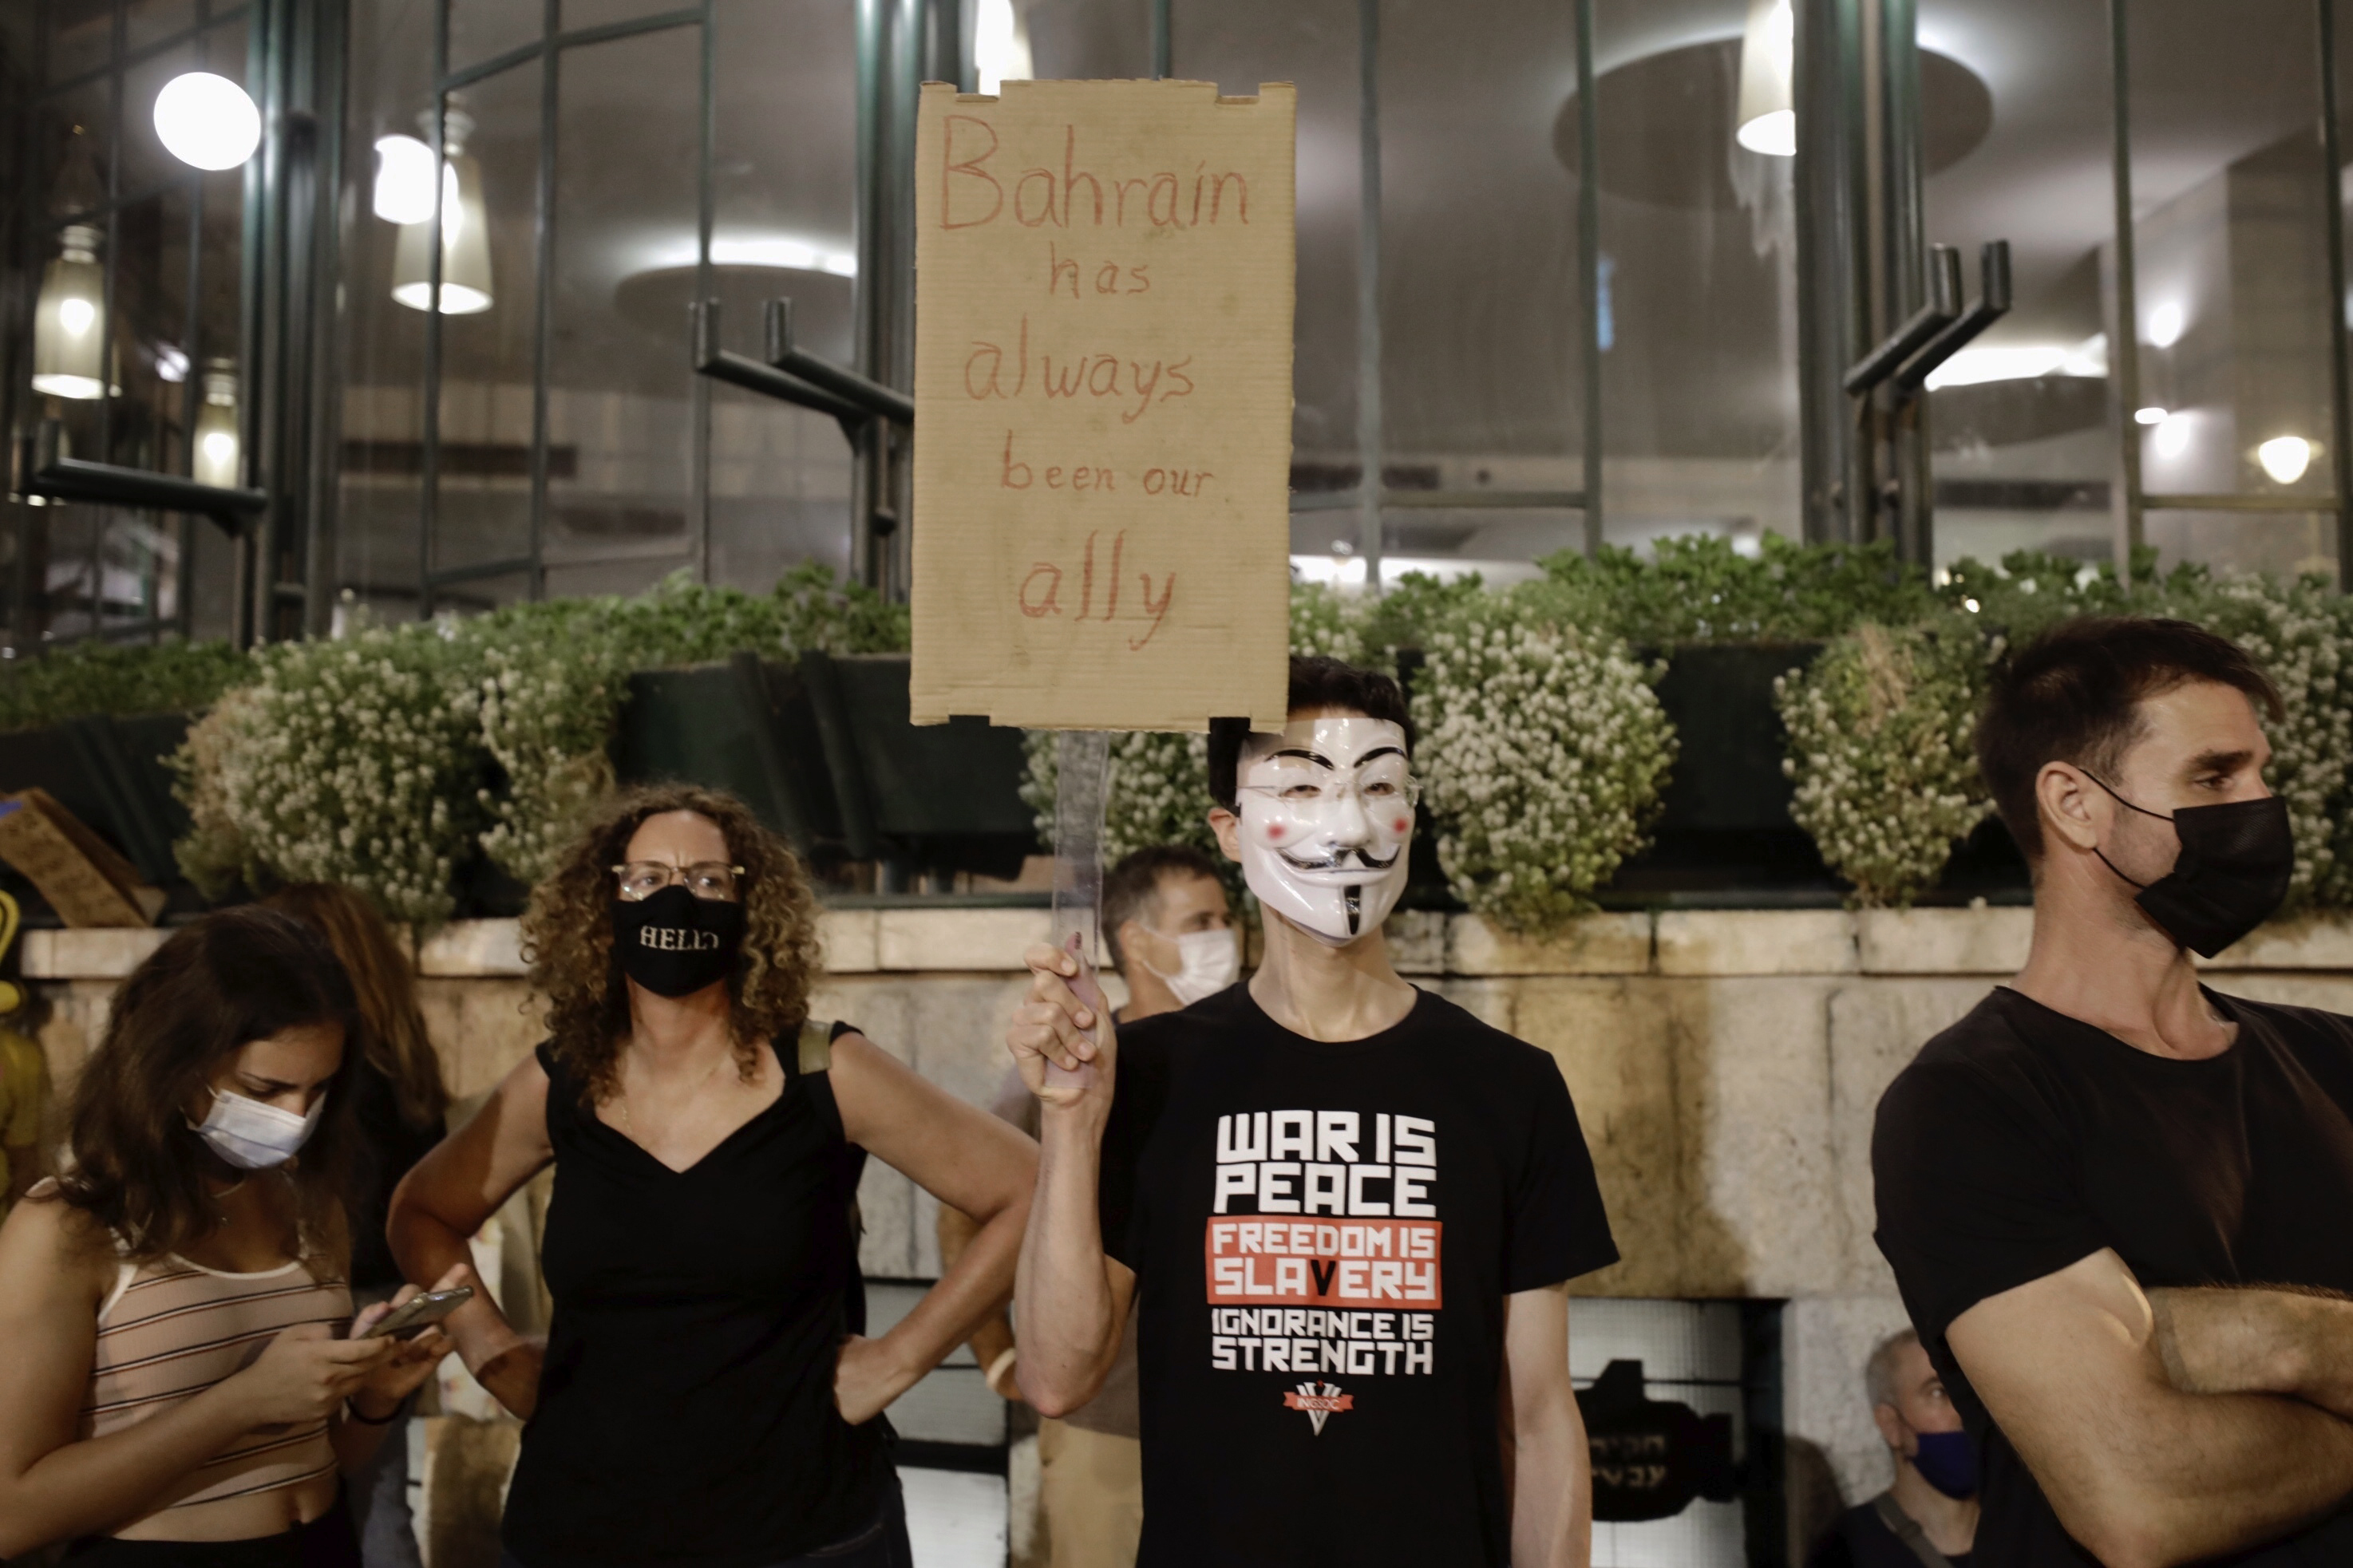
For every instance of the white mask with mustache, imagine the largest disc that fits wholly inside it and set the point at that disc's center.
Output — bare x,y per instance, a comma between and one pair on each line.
1326,811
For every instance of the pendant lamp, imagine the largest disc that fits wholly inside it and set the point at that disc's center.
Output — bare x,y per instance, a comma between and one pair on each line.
217,453
69,349
465,233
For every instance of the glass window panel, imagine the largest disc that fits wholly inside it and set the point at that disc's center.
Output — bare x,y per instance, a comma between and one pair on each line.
621,389
145,163
2283,544
480,29
2015,143
783,182
75,400
149,322
81,36
382,458
631,576
75,132
221,49
148,22
65,567
1480,377
139,568
210,574
2231,204
490,323
1089,39
1698,293
579,13
1239,44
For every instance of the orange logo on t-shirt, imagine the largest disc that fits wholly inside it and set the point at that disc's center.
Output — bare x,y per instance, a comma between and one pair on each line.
1319,1406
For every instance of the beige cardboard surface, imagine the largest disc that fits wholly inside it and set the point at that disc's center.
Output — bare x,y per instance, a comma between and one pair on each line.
80,875
1103,295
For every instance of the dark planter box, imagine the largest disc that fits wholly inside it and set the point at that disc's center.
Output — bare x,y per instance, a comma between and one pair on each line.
110,773
824,752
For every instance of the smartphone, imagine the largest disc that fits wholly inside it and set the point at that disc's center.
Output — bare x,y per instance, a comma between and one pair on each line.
420,1313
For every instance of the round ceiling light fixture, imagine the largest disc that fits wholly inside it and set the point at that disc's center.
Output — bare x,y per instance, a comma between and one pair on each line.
206,120
2165,325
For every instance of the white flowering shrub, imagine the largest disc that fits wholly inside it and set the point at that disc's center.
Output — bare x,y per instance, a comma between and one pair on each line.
351,761
1544,754
1881,747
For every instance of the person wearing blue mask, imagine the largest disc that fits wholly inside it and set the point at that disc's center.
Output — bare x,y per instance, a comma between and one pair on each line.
2114,1199
1927,1517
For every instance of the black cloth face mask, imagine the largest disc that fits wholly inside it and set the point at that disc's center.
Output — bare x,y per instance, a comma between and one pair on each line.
674,943
2232,872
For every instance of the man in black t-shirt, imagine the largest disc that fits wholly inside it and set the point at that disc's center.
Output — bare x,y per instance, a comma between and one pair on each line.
2116,1203
1346,1209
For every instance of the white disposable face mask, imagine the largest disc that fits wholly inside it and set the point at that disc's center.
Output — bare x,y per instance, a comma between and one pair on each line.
1207,962
253,1136
1326,819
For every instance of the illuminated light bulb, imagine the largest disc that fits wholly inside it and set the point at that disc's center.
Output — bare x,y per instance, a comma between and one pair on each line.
1766,116
207,121
215,443
2149,415
2172,436
68,354
2285,458
1000,46
404,180
2165,325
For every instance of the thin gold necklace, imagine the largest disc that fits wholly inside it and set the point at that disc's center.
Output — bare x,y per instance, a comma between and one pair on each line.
702,1083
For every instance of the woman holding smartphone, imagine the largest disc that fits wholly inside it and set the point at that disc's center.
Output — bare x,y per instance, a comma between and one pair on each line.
178,1386
707,1395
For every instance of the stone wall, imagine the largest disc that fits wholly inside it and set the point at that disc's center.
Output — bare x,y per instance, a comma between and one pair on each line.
1726,1064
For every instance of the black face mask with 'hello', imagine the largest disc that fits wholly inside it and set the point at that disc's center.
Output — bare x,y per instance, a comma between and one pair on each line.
2232,872
674,943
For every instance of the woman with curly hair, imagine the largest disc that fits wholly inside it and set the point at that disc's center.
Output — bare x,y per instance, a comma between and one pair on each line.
182,1381
707,1396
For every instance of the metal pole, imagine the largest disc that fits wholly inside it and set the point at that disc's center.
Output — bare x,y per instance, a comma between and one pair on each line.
698,398
429,428
324,450
2123,331
1161,53
551,84
1589,269
1906,239
2340,395
1368,290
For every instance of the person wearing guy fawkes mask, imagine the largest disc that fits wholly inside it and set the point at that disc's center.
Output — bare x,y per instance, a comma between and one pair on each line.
1928,1517
2114,1199
1346,1209
1172,938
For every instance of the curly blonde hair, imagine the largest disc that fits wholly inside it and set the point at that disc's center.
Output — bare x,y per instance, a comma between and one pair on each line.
567,934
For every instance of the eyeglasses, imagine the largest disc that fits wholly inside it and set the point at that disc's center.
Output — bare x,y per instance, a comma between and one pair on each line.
1371,793
713,879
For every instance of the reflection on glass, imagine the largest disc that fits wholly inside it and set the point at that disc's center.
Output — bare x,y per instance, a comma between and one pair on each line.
2015,147
148,22
81,38
620,390
76,137
214,448
465,271
480,29
1699,313
149,329
1239,44
784,176
1481,361
483,511
2230,247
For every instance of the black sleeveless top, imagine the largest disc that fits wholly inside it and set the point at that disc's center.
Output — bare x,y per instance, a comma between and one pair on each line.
686,1414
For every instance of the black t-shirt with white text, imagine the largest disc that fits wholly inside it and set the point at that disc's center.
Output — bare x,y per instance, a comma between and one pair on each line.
1324,1234
2022,1140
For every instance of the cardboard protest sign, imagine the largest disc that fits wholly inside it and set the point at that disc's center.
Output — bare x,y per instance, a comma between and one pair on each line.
80,875
1102,395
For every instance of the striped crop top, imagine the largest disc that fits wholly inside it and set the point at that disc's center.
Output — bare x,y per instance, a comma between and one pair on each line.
170,1329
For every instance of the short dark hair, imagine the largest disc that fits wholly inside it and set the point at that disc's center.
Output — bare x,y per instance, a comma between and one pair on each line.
1315,683
2074,695
1136,881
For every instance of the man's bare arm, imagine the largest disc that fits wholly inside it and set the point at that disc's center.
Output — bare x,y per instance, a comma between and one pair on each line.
2140,1473
2258,1341
1550,1470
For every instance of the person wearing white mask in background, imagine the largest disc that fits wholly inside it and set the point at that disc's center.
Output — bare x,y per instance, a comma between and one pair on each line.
1172,938
1346,1210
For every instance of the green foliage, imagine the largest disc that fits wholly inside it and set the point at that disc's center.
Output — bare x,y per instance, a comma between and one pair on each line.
1544,754
1699,589
1881,731
91,678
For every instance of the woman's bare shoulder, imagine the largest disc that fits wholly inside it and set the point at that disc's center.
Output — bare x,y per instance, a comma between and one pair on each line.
47,1236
